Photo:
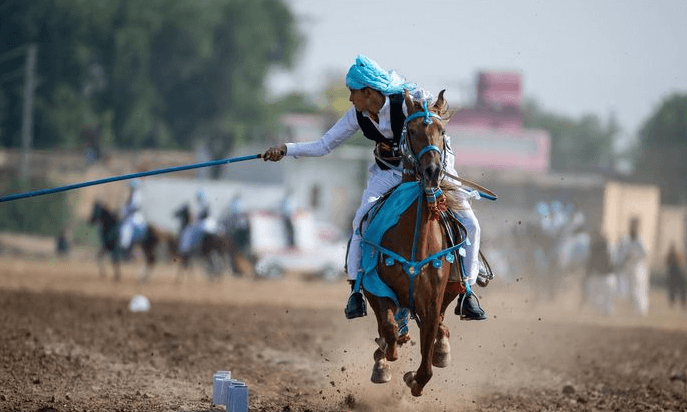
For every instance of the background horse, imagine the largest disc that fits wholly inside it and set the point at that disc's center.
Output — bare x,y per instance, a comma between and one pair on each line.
214,249
419,287
109,241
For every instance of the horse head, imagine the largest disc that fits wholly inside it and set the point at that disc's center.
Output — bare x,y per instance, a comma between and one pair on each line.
103,216
184,215
96,212
423,144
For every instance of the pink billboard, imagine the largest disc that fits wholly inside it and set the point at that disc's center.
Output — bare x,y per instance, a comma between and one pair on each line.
499,149
499,89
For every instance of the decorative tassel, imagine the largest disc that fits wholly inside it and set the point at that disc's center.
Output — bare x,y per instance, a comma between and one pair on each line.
436,202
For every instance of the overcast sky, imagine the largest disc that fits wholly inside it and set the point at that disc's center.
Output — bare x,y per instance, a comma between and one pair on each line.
575,57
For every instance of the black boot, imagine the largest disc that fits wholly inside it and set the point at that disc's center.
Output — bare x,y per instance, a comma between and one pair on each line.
468,308
356,306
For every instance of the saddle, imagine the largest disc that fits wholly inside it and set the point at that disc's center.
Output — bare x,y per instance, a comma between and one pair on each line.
388,155
455,232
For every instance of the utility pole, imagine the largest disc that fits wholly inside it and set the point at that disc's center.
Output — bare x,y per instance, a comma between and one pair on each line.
27,118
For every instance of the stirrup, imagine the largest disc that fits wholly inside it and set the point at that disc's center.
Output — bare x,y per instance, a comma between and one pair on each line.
463,313
356,306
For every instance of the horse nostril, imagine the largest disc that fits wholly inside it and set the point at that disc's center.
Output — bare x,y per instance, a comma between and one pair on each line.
431,172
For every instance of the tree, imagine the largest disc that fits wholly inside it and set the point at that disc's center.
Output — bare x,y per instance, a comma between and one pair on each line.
663,148
582,145
153,73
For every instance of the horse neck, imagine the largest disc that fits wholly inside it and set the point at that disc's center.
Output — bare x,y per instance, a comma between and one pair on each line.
424,233
408,176
108,219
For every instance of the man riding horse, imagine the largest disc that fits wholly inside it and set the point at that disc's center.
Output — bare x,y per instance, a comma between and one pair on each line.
380,111
133,226
192,235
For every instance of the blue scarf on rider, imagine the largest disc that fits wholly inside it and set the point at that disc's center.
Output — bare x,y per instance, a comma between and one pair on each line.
367,73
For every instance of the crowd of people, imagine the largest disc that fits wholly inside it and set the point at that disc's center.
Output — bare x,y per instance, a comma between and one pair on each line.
620,272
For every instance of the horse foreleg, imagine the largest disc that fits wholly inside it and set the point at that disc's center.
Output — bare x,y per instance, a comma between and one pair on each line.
101,264
117,270
416,381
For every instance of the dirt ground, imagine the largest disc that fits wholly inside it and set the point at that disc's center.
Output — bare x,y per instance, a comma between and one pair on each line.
68,342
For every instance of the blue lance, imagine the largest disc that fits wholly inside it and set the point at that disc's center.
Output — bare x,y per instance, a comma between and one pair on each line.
128,176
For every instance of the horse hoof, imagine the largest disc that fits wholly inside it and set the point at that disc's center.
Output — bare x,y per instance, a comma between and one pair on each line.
381,373
403,339
441,360
408,378
442,353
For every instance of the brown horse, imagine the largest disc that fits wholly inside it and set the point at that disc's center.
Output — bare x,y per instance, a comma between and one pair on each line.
414,256
109,241
218,252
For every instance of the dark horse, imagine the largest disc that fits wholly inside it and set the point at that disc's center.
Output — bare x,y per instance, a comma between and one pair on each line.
109,241
214,249
413,256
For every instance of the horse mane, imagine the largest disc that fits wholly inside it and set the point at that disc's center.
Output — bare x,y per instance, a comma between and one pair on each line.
453,201
105,210
443,110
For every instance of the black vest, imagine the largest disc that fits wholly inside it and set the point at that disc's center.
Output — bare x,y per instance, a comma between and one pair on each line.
397,119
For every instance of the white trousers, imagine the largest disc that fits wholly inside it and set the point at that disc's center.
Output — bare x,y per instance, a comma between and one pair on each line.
132,224
639,288
601,292
380,182
471,259
192,234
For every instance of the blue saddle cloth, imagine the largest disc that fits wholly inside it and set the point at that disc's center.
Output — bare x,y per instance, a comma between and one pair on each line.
383,218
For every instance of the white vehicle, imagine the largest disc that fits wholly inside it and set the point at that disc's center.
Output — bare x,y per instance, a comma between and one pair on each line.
319,248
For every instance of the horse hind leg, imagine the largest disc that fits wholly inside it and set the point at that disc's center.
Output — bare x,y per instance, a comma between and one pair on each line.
442,349
387,350
183,267
381,371
146,274
149,250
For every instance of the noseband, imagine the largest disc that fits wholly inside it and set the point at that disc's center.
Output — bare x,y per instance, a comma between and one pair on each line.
407,150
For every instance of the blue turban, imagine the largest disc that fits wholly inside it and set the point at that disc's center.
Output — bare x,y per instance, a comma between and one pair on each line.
367,73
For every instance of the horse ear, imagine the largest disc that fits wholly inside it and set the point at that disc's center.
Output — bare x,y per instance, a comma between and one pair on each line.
410,105
441,104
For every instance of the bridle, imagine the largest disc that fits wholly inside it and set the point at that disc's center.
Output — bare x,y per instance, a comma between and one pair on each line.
433,195
407,151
